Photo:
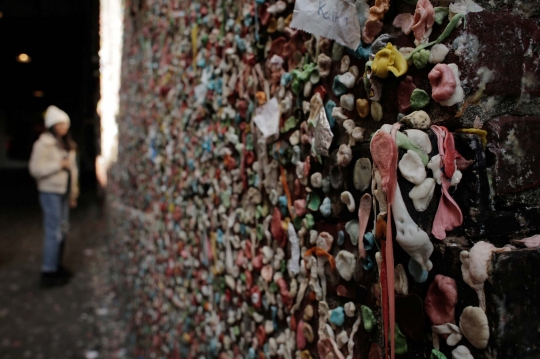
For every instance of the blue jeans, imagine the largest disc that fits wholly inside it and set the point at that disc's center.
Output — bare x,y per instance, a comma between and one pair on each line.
56,224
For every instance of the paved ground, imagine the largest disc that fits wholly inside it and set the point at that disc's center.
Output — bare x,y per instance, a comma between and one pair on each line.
79,320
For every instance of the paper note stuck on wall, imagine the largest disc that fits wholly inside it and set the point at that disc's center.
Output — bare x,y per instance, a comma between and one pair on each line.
267,118
333,19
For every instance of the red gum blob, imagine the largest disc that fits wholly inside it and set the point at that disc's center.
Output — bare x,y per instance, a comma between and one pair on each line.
383,150
261,334
292,323
405,22
307,166
462,164
371,30
405,90
249,279
284,291
247,250
530,242
264,15
328,346
300,337
321,91
441,300
277,46
342,291
240,258
300,207
275,226
447,150
297,188
443,82
424,17
257,262
295,43
364,210
450,155
448,214
375,352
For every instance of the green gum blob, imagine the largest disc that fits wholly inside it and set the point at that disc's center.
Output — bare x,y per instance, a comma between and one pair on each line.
296,86
308,70
337,52
401,341
441,13
204,39
249,142
435,354
405,143
301,76
420,59
264,210
226,199
297,223
368,318
260,232
314,201
289,124
273,287
419,99
309,221
221,285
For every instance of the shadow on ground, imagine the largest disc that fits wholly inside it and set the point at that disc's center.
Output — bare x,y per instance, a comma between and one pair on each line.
79,320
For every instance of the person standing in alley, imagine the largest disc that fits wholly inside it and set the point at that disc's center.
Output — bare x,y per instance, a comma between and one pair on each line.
53,165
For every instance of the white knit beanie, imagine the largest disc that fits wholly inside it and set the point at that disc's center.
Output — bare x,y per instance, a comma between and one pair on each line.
54,115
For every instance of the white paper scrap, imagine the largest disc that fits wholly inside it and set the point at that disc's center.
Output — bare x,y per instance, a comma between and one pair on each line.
333,19
267,118
200,93
293,264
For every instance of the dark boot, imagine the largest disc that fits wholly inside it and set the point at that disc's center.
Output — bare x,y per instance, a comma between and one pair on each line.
53,279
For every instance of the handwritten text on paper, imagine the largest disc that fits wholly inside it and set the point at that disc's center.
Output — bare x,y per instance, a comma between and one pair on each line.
340,20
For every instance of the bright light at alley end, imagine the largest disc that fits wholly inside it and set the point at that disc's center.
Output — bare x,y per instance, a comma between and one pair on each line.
23,58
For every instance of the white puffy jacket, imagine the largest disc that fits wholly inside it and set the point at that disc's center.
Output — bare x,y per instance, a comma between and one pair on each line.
46,167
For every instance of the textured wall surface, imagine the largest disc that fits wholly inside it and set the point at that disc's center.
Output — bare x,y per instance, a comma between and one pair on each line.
231,244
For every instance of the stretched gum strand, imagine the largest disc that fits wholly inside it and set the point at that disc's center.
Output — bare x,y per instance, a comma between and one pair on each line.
451,25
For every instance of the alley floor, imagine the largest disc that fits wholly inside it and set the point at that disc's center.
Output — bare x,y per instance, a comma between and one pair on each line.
78,320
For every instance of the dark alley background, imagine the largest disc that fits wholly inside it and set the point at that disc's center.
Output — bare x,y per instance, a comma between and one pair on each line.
62,40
